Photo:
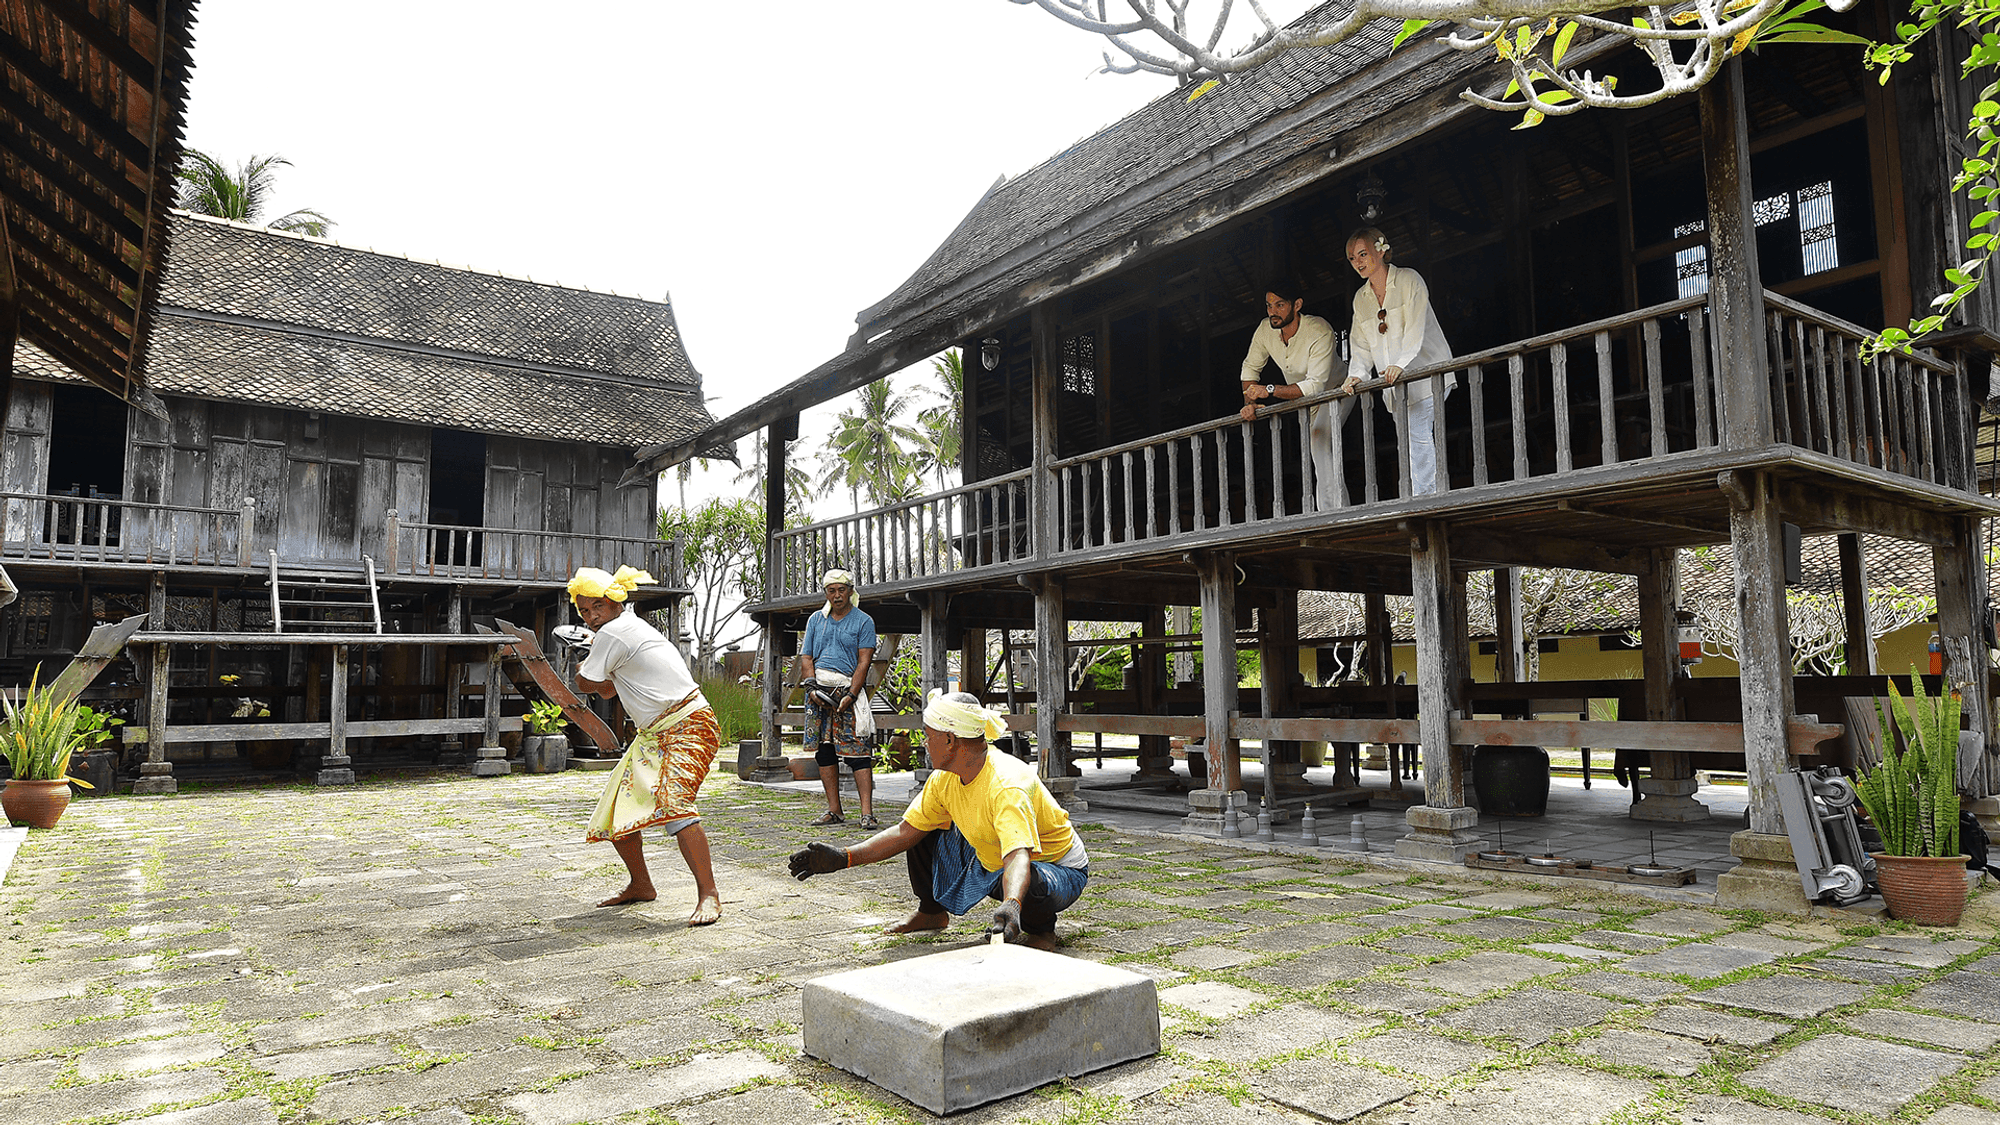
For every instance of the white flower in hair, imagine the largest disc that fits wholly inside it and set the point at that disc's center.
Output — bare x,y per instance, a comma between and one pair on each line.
1381,245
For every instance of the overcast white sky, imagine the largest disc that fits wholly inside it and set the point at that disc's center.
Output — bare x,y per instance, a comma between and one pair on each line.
773,173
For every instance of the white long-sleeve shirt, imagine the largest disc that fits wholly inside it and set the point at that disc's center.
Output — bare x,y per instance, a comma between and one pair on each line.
1415,338
1306,360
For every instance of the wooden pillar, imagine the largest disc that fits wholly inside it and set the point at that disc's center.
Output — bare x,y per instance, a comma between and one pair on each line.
1058,773
777,439
1278,663
1510,659
972,662
1045,389
1668,793
1964,614
337,768
1735,287
1217,571
936,666
492,757
1381,675
1443,828
1860,649
156,773
1149,667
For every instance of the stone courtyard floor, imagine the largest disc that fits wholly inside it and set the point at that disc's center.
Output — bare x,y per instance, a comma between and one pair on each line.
425,950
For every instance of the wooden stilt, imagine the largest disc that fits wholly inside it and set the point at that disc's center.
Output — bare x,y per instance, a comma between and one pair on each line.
1217,572
156,773
1964,614
1860,648
1443,828
337,768
1052,692
1668,793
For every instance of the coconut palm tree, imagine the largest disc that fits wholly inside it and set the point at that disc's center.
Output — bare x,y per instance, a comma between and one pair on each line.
941,425
210,188
869,448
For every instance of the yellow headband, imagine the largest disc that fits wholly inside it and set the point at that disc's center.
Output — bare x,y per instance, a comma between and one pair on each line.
591,582
966,720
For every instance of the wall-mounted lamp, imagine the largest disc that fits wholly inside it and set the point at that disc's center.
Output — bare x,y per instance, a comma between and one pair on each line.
1370,197
989,353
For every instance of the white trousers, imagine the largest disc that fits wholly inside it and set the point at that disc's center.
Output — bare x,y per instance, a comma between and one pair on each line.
1423,447
1325,420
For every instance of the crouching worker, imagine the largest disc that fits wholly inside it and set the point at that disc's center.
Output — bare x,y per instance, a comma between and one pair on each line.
656,781
983,827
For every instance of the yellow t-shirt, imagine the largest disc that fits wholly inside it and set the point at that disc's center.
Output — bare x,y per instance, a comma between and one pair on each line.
1005,807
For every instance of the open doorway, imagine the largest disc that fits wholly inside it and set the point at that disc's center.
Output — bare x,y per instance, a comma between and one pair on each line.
458,494
86,460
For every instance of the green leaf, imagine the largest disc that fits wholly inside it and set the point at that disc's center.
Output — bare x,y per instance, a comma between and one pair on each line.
1562,43
1410,27
1983,218
1529,120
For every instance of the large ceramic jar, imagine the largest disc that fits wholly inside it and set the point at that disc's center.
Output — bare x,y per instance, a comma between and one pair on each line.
1512,780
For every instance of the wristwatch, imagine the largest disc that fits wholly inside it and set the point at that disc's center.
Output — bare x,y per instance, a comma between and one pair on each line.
1270,390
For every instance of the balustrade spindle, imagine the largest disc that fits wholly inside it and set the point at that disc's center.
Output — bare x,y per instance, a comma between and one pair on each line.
1704,421
1559,387
1402,414
1517,417
1656,387
1152,494
1131,517
1174,488
1607,402
1827,413
1370,486
1195,465
1475,382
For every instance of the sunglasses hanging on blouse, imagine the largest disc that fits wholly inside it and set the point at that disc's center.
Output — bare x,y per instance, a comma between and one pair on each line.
1382,321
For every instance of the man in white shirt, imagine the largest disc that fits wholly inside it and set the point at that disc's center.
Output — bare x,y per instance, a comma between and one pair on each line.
1302,348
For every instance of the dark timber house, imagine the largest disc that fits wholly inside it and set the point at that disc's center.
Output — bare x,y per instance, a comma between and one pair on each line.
1656,315
398,447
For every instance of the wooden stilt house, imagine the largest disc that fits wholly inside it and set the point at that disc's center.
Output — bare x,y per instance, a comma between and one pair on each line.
357,458
1656,315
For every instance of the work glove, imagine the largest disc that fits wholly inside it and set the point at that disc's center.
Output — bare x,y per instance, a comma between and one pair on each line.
1007,920
817,859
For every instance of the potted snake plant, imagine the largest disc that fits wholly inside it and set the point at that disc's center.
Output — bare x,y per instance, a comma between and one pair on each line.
42,732
1912,799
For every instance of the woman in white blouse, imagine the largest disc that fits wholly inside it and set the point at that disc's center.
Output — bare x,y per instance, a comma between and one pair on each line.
1395,329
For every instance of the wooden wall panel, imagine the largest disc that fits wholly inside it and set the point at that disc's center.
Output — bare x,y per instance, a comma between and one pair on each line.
24,457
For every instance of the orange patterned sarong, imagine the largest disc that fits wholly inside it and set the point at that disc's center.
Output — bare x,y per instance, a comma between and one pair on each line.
656,781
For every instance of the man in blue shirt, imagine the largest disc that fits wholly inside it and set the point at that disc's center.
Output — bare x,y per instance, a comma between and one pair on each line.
838,648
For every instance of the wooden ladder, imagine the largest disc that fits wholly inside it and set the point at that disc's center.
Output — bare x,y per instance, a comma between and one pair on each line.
527,667
303,605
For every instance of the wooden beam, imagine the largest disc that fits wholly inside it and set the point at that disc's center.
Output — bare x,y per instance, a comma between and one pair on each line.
1659,597
1510,656
1492,548
1736,288
1965,618
1802,737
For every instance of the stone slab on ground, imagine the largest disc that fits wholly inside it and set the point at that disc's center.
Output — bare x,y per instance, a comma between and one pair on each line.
1963,1115
1432,1056
1388,996
959,1029
1311,970
1958,1035
1540,1095
1211,957
1856,1075
1290,1028
1625,985
1330,1091
1291,939
1646,1050
1793,997
1919,952
327,1061
1532,1016
1678,923
118,1096
765,1105
1698,959
451,1083
1714,1109
1973,995
603,1096
1871,972
1483,972
246,1111
1707,1026
1212,998
1622,939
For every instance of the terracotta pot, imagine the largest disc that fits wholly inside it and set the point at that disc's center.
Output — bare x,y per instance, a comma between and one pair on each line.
803,769
1925,890
37,804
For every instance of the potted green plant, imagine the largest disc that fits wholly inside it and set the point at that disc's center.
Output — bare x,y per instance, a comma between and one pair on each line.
41,734
1912,799
90,759
545,748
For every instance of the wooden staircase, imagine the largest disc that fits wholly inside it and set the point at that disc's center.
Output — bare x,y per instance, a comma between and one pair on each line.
326,604
528,669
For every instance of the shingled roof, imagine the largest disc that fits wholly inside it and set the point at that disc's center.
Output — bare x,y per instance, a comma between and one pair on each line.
263,316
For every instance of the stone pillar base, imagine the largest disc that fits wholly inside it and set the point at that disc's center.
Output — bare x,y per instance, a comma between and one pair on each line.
492,762
1204,816
1440,835
1290,777
1374,756
1765,878
1668,799
156,779
1987,809
335,770
1063,789
770,768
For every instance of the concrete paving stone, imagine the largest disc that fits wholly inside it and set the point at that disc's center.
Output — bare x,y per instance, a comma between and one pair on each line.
1540,1095
489,1034
1423,912
1215,900
1568,916
1972,995
1714,1027
1390,996
1482,972
1963,1115
125,1096
1989,1089
602,1096
1266,873
150,1054
1624,985
1506,900
1261,918
764,1105
1213,1109
1645,1050
26,1016
1211,998
1714,1109
1289,1028
18,1044
452,1083
1856,1075
1433,1056
1920,952
1331,1091
1349,903
1698,959
1532,1016
1872,972
1311,970
1622,939
1177,932
1502,927
245,1111
36,1074
1310,935
1577,952
327,1061
1784,995
1419,945
1678,923
1958,1035
1117,915
1768,943
1135,1080
375,1019
1211,957
771,1014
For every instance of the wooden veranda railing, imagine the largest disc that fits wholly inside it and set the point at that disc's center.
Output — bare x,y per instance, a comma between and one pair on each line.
436,550
1639,387
108,530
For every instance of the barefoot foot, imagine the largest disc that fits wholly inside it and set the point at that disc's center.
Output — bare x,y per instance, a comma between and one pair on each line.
919,922
1047,943
707,912
630,894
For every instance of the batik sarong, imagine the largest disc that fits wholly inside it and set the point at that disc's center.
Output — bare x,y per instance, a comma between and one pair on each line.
655,783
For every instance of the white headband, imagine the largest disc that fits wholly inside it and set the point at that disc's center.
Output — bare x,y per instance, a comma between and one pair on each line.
838,577
966,720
